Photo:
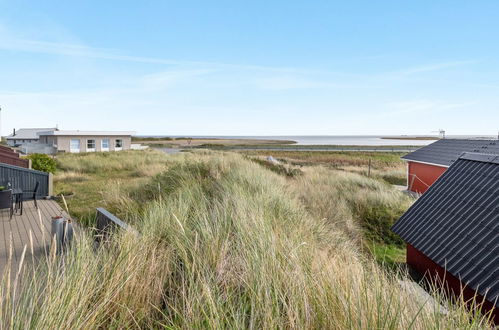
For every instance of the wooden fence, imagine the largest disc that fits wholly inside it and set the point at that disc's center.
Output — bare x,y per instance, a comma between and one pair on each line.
6,149
25,179
9,156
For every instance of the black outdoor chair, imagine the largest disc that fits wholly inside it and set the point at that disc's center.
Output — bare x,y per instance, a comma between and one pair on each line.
6,201
34,192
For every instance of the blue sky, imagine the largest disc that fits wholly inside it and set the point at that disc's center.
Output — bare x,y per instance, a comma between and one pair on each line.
251,67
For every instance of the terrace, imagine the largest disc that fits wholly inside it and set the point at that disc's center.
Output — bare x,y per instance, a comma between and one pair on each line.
31,230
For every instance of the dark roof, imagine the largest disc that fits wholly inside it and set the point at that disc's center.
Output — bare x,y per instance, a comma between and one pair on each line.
446,151
456,223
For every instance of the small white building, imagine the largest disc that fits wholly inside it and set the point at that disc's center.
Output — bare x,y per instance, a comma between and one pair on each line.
86,141
26,135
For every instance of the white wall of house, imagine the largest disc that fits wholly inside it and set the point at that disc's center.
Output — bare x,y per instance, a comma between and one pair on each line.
76,144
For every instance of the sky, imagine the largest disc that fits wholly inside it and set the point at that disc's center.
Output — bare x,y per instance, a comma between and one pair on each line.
251,67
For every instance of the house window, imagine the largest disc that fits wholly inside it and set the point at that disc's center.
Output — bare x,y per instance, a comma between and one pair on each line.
105,145
74,145
91,145
119,144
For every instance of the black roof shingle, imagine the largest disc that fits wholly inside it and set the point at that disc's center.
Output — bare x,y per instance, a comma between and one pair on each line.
456,223
446,151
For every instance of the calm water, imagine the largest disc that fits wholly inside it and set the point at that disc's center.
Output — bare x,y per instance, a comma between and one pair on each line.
346,140
331,140
352,140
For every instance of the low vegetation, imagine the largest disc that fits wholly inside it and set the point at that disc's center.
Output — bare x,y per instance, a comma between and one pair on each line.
188,142
386,166
93,180
225,243
42,162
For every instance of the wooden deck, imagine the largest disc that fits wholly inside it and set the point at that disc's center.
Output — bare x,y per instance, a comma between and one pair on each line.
29,229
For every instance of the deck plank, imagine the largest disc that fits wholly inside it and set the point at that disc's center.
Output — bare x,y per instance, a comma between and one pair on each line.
19,229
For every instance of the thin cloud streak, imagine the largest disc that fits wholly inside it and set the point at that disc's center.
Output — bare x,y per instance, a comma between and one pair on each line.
57,48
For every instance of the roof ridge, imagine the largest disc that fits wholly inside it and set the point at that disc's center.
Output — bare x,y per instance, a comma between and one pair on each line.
36,128
480,157
446,152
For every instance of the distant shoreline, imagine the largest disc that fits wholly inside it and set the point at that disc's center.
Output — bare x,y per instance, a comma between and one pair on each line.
305,148
353,140
197,142
417,138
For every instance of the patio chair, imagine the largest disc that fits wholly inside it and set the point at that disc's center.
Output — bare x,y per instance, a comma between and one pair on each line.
6,201
34,191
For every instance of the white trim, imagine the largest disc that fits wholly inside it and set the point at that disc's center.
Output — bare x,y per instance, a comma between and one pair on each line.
417,161
118,148
86,133
71,147
102,144
407,171
91,149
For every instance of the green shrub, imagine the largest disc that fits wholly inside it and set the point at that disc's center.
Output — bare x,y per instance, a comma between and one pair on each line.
43,163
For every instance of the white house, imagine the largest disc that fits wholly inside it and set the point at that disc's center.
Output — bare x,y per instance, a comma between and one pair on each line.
26,135
86,141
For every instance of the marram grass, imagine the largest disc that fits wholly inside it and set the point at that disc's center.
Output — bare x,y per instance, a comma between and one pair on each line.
226,243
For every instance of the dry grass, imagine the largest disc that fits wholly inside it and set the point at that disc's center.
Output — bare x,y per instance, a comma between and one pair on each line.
226,243
70,176
386,166
105,162
99,179
116,286
334,158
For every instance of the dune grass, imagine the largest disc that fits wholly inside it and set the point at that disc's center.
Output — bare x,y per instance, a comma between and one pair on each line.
337,158
227,243
386,166
94,179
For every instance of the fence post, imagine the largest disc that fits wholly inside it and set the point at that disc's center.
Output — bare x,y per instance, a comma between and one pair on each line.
50,178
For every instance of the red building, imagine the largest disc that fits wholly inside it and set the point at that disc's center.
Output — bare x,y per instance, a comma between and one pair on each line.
11,157
420,176
427,164
452,232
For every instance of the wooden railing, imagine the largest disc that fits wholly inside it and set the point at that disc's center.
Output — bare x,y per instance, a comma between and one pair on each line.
107,223
25,179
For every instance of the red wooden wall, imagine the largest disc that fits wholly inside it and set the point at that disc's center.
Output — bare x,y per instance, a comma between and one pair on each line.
9,156
424,265
422,176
